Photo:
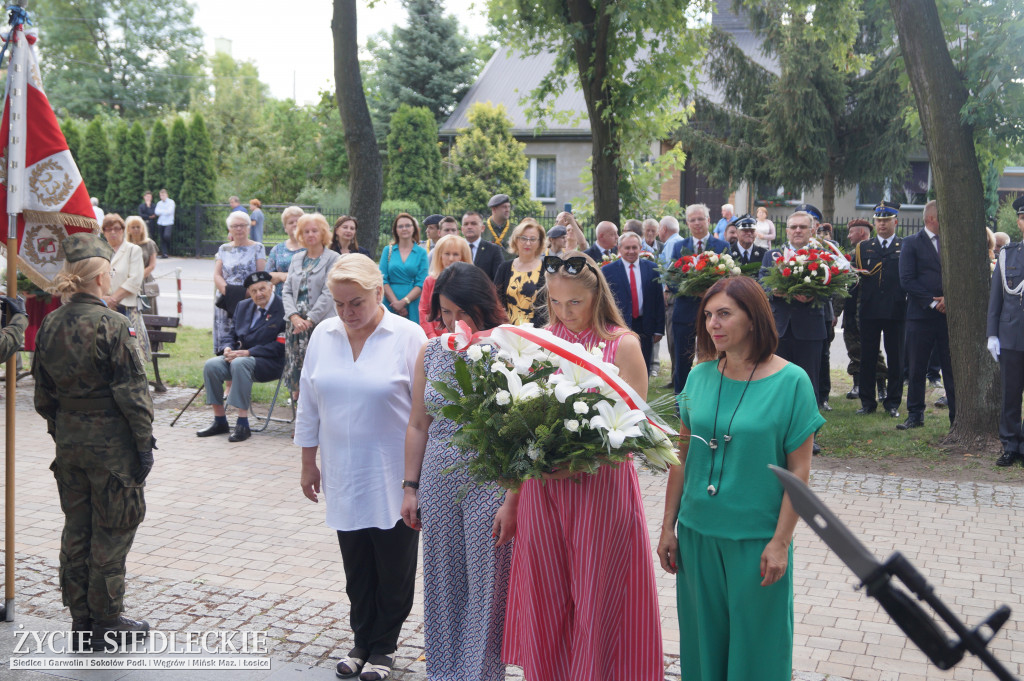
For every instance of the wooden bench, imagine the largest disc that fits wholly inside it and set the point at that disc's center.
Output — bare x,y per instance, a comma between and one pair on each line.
155,325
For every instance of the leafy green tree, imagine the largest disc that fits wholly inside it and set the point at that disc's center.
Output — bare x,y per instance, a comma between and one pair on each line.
128,57
429,62
816,123
414,157
199,176
174,166
133,162
333,155
235,108
116,170
485,160
94,159
287,146
156,158
633,61
71,136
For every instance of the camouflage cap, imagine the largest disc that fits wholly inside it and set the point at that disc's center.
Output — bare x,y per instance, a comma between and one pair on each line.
86,245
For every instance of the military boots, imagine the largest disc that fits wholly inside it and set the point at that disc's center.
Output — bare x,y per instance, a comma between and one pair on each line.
112,635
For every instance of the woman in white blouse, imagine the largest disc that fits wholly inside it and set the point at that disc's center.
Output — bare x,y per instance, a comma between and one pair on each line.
127,272
355,399
765,229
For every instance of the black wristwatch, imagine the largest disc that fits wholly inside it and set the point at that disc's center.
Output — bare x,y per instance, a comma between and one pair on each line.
412,484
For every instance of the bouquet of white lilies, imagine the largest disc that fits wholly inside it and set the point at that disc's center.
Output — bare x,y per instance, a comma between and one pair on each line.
530,403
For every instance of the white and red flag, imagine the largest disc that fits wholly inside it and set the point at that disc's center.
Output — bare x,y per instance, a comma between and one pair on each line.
39,181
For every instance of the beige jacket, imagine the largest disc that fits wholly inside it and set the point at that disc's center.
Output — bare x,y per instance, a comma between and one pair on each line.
126,271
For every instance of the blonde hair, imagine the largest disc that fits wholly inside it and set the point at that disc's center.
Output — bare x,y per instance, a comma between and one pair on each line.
290,211
136,220
513,241
74,277
605,312
321,222
358,269
447,240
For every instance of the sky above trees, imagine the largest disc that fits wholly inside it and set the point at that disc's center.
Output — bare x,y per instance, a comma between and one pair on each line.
296,48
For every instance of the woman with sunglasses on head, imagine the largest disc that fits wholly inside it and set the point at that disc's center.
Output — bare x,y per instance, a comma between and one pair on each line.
582,600
728,526
520,280
467,528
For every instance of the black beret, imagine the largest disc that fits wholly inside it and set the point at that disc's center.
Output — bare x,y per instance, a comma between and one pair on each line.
257,277
434,219
1018,205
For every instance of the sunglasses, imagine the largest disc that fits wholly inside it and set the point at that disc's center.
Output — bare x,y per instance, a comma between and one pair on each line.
572,266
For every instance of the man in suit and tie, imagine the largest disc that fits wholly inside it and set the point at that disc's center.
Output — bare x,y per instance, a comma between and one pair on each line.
487,256
882,310
607,241
637,291
254,352
800,324
684,311
744,251
1005,331
921,278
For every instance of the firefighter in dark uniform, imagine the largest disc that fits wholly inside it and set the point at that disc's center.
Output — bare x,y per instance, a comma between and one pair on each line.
1005,331
91,388
881,310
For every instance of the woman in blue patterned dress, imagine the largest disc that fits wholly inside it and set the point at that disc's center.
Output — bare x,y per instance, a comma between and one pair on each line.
404,266
280,257
467,528
236,260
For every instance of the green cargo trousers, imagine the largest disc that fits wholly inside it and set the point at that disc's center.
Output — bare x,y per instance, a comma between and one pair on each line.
102,510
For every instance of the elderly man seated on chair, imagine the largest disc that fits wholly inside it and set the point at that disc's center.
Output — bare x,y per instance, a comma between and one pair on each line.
255,352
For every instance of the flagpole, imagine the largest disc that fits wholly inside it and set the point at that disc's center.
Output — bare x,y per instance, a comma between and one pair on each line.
19,81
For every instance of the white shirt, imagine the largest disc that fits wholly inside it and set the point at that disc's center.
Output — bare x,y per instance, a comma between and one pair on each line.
473,247
639,283
164,210
357,413
670,243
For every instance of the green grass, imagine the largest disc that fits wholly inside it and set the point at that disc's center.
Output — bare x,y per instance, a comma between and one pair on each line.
847,435
184,368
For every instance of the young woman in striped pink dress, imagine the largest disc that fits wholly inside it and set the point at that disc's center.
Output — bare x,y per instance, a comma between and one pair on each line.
582,601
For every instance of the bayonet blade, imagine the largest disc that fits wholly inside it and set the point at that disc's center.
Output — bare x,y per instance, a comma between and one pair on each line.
824,522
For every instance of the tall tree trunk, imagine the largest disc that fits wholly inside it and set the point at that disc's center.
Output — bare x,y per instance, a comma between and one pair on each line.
591,48
940,96
828,195
366,181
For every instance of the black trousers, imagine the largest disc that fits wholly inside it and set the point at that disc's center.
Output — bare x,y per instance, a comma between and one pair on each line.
871,335
380,579
682,357
646,342
824,370
923,336
1011,369
803,353
165,238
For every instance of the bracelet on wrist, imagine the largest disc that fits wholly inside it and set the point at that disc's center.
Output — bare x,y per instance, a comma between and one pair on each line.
410,484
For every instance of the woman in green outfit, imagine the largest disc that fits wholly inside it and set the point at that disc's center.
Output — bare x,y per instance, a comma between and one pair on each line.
728,525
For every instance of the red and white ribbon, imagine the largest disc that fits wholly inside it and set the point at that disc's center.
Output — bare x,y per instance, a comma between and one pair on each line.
464,337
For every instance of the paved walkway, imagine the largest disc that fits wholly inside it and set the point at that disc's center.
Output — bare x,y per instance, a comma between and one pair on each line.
230,543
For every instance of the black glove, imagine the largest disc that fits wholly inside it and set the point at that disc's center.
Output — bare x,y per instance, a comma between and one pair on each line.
145,466
13,304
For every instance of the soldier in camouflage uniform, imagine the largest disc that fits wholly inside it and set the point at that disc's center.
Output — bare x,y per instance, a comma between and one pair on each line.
91,388
12,336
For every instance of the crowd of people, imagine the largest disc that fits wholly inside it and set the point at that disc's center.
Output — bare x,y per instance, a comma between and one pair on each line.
557,576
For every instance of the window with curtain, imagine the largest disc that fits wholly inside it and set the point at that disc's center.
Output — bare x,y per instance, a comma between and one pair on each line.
541,175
